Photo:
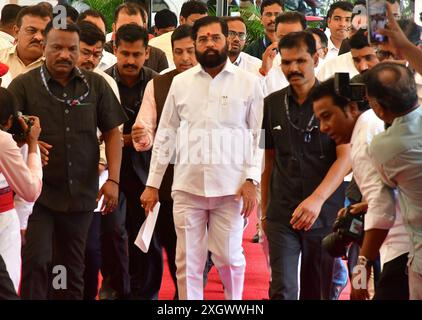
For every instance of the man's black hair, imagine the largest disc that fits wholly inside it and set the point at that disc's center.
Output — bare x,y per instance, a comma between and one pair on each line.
131,33
321,35
90,33
92,13
130,8
71,13
267,3
291,17
343,5
36,11
165,19
327,89
297,40
9,13
70,27
181,32
193,7
205,21
359,40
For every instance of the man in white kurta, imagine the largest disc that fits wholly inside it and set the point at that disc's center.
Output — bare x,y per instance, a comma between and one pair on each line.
212,116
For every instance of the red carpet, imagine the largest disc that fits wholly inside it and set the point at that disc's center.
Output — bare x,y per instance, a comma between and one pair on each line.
256,276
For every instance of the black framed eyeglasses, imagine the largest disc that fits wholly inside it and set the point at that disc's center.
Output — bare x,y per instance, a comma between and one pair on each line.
234,34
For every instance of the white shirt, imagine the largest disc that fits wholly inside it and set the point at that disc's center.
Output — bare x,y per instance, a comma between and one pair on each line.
6,40
396,153
6,79
275,80
109,36
373,189
341,63
248,63
163,42
418,80
24,178
332,50
216,128
108,60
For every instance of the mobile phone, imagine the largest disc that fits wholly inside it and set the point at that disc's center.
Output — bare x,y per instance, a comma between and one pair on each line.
377,19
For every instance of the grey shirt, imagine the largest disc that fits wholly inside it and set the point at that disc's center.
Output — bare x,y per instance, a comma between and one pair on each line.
397,155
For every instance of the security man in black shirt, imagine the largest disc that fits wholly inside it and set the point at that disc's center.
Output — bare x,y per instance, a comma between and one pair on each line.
71,104
132,77
300,184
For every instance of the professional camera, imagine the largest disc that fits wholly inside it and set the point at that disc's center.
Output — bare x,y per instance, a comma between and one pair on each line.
354,91
346,230
16,130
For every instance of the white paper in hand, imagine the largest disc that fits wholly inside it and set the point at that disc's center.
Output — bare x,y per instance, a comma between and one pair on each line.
145,233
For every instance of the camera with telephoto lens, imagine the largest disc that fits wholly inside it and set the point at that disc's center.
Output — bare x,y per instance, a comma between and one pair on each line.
16,130
347,229
354,91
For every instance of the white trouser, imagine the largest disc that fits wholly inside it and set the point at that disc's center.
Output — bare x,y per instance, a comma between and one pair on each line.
213,224
10,245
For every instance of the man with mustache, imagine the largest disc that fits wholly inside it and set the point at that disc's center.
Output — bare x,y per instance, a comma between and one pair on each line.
353,122
213,99
339,21
107,237
306,170
97,18
143,133
270,9
131,50
71,104
236,42
285,23
27,53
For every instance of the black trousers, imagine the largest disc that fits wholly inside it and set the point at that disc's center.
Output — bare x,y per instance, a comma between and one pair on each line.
107,249
145,269
166,234
393,283
285,246
7,289
54,253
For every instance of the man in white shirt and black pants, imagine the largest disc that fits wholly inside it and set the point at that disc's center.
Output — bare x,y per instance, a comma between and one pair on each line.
209,182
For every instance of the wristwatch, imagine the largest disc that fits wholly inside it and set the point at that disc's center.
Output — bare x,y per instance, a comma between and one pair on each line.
364,261
254,182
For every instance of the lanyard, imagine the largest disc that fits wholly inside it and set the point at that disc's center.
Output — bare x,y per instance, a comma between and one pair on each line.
69,102
309,128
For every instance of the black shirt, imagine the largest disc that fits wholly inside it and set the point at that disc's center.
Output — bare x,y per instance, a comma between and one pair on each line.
131,99
70,179
303,156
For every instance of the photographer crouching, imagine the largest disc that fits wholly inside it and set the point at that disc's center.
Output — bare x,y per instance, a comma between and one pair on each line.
16,176
345,115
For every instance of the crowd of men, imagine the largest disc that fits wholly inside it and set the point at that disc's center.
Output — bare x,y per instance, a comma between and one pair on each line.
213,129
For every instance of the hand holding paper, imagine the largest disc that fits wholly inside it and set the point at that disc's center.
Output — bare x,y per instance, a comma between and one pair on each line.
145,233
